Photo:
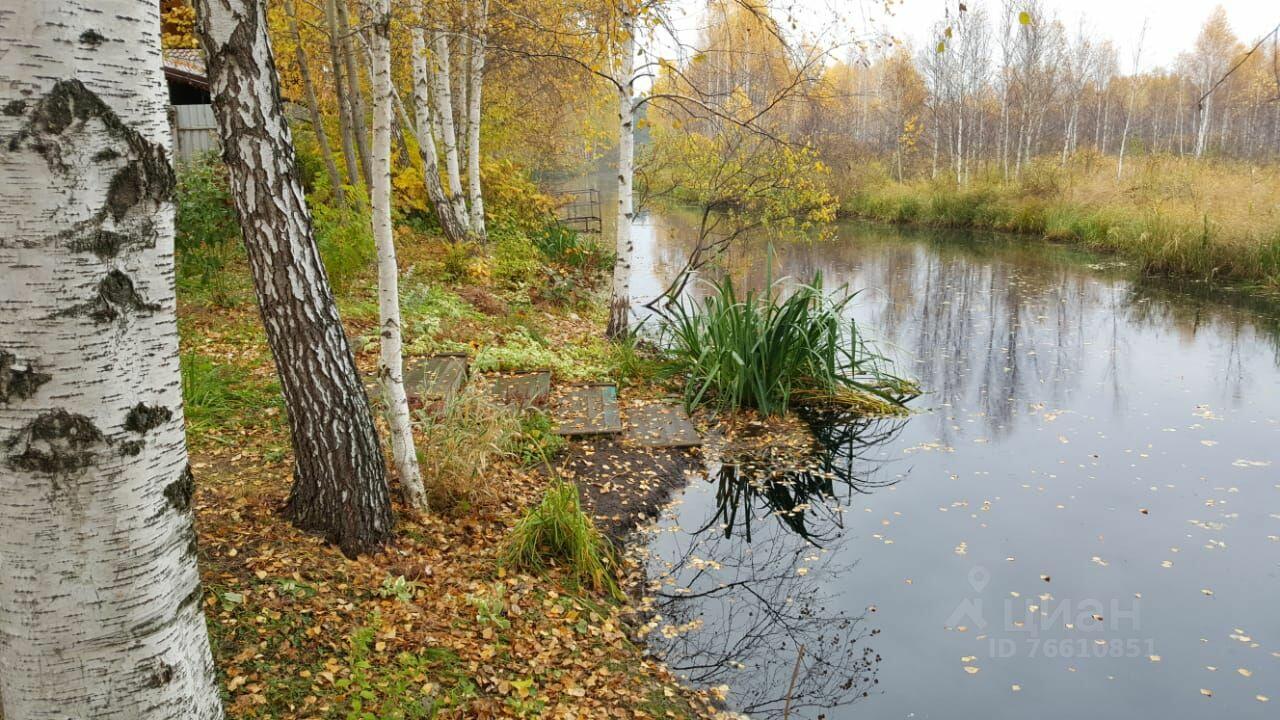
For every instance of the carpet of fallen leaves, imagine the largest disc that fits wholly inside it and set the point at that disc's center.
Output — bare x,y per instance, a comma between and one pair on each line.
430,627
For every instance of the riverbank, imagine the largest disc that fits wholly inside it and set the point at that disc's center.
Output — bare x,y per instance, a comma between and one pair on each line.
433,626
1173,217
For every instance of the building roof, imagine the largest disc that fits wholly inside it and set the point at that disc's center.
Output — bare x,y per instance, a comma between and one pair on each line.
186,65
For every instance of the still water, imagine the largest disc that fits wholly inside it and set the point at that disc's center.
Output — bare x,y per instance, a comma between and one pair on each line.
1080,519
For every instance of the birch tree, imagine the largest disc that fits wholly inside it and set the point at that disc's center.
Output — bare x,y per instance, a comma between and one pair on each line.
475,78
313,105
455,227
100,612
620,295
340,485
390,360
442,94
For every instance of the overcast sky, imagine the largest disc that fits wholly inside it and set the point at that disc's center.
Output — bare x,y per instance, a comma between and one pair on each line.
1172,24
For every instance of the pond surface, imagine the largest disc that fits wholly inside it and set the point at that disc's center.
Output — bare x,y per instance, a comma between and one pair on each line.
1082,516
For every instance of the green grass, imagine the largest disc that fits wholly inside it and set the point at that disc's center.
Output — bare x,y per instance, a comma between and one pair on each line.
217,396
768,350
556,531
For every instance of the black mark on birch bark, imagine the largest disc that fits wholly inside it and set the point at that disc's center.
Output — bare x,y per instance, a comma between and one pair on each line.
55,442
142,419
58,129
181,491
116,296
18,383
92,38
162,675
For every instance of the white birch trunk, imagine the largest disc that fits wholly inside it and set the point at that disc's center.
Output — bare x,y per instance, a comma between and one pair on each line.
454,227
620,302
100,612
390,360
443,97
476,77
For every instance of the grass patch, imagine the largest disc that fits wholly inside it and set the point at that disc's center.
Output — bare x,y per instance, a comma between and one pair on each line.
377,687
766,350
459,446
556,531
1169,216
217,396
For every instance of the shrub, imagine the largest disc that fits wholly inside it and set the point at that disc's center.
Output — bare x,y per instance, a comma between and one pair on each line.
515,259
766,352
204,213
556,531
207,232
345,239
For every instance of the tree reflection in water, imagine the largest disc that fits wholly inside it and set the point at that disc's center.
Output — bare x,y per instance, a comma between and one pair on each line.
735,599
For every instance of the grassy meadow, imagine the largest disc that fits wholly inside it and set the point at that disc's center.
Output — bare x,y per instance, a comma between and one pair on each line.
1204,220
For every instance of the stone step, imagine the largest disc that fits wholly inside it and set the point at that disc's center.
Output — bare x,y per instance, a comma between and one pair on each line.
521,390
427,380
435,378
587,410
663,424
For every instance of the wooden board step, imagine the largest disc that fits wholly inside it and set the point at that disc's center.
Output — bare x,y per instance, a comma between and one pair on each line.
663,424
587,410
521,390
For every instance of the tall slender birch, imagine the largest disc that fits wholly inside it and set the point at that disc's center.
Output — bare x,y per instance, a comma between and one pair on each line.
443,97
340,482
475,198
355,95
620,302
390,360
313,105
455,227
100,612
345,125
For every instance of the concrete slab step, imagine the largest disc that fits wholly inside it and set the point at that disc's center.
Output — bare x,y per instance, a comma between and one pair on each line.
662,424
521,390
587,410
435,378
427,380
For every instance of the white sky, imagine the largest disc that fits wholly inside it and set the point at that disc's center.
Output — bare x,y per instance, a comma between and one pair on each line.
1172,25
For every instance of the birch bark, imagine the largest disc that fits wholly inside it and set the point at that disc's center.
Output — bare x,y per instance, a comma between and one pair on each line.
100,612
620,302
476,78
391,361
345,124
443,97
454,227
340,485
354,94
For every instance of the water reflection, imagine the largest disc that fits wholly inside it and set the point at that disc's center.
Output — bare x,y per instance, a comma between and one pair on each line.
736,597
1086,436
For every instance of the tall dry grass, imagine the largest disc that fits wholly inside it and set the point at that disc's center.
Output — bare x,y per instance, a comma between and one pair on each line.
1205,220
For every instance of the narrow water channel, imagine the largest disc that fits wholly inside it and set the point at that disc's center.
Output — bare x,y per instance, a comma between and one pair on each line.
1081,518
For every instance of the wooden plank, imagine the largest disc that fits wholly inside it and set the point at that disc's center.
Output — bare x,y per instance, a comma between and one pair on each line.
438,377
521,390
661,425
588,410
